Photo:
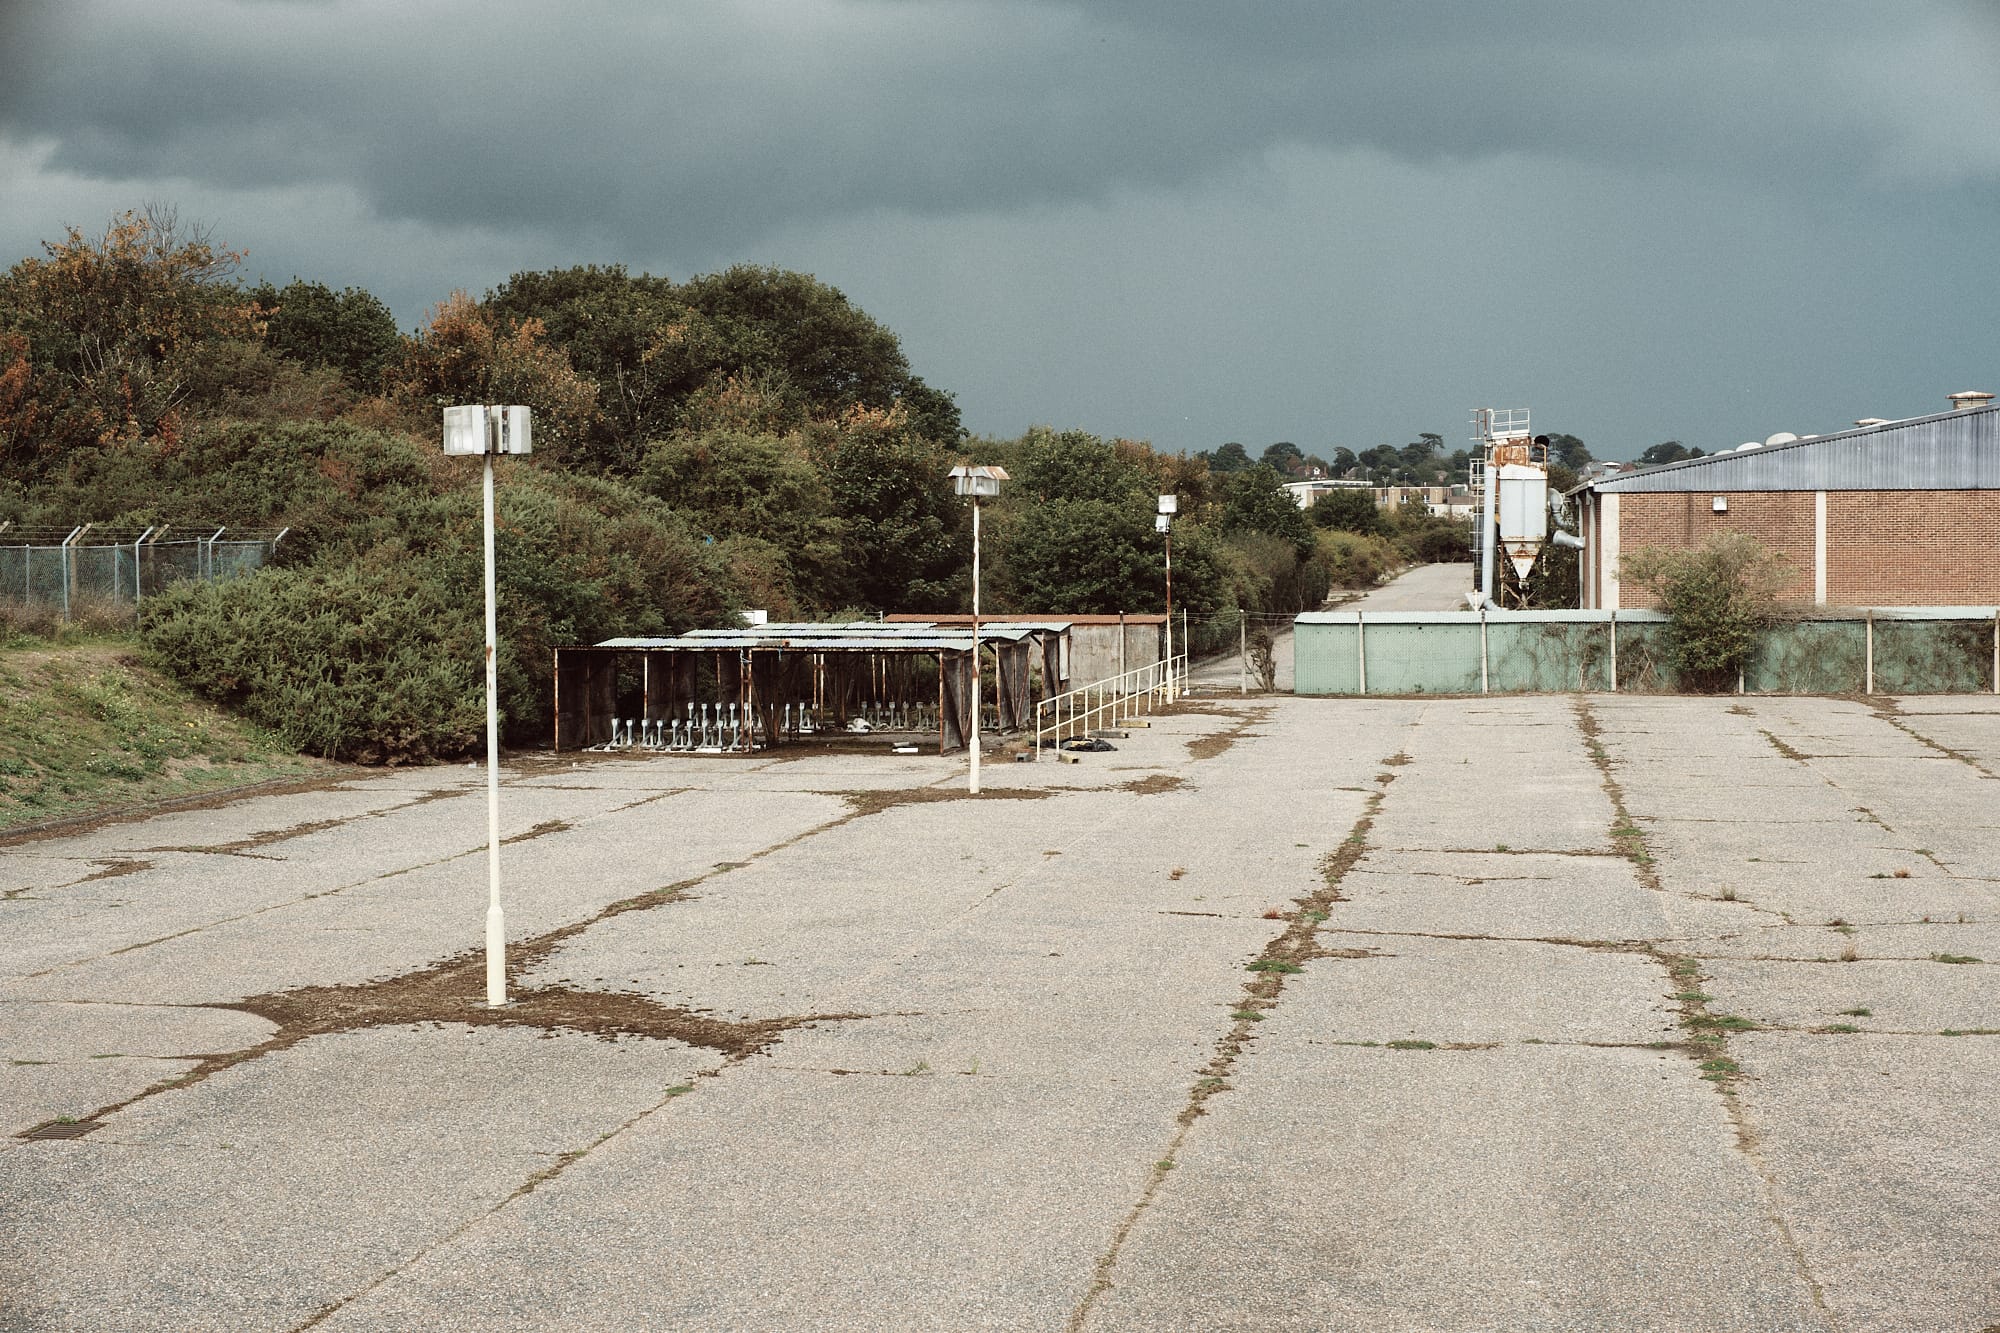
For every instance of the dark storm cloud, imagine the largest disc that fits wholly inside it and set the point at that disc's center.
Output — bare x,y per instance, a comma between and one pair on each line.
698,127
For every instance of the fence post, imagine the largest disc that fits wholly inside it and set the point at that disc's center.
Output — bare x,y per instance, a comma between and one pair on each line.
1361,650
1996,650
1868,658
1614,651
1243,651
67,556
1482,648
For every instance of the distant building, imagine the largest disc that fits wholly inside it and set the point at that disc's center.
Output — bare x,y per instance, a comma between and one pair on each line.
1305,492
1451,501
1890,513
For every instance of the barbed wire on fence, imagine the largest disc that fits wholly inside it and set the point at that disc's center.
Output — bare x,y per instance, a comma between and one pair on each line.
88,565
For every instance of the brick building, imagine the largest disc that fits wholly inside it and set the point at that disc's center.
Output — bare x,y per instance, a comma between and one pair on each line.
1892,513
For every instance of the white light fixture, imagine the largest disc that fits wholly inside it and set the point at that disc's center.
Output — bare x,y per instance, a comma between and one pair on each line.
981,483
1720,504
487,431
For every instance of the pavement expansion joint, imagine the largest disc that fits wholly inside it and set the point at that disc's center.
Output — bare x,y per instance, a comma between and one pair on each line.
1893,715
1707,1043
1283,956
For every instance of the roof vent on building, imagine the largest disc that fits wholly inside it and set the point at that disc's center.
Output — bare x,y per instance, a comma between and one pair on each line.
1782,437
1748,444
1969,399
1872,421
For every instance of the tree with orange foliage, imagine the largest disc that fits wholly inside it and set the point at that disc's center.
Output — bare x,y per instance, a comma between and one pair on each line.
462,355
101,330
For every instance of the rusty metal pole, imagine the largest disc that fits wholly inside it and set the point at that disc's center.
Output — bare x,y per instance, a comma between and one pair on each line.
496,920
1171,682
973,741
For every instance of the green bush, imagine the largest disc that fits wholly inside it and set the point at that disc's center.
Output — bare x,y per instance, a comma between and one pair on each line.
378,665
1355,560
1718,597
375,655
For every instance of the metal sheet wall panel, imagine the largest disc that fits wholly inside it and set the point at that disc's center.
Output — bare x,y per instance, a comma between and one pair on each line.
1952,451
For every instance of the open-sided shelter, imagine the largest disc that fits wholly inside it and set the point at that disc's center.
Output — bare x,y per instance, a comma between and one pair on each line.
758,686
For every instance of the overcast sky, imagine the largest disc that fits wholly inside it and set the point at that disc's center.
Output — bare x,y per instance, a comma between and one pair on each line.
1188,221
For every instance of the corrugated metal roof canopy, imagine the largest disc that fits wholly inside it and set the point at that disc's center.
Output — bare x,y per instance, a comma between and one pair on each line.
1951,451
865,637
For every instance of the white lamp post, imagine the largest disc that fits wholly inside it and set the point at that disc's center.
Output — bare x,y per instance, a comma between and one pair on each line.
1163,523
487,431
980,483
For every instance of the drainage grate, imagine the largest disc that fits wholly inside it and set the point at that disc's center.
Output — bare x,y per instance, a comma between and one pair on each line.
57,1129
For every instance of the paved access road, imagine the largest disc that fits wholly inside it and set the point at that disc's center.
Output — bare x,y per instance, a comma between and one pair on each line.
1421,588
1513,1013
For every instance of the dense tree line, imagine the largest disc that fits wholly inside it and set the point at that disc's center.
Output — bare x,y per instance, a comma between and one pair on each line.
747,438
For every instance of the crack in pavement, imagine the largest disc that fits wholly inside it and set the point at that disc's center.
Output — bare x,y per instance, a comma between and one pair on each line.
1708,1032
1281,956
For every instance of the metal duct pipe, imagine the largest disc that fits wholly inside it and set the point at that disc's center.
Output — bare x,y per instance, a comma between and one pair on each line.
1569,539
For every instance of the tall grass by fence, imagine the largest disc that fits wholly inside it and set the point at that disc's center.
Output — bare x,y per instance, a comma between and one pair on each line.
1887,650
66,570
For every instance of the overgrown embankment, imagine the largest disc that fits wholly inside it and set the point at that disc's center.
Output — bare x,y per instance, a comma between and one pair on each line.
84,727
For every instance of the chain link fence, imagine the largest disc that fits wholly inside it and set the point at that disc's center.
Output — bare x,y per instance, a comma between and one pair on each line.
70,570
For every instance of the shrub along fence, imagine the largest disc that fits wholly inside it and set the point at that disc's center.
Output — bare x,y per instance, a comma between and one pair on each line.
1892,650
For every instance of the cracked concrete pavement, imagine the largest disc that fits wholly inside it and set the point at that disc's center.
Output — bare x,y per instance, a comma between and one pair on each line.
1587,1012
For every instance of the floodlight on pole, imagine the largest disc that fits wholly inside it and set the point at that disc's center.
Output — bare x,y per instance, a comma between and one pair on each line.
487,431
981,483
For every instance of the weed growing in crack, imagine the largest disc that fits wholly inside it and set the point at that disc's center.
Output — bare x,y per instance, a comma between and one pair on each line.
1900,874
1273,965
1727,893
1722,1023
680,1089
1954,958
1693,997
1411,1044
1840,1027
1246,1015
1850,952
1720,1068
1859,1011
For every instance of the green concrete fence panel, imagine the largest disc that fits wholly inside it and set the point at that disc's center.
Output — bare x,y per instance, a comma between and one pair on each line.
1900,650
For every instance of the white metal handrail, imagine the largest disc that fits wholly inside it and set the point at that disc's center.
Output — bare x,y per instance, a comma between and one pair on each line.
1102,703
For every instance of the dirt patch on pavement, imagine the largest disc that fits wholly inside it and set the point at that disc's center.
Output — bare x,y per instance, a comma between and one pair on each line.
1156,785
875,802
1208,747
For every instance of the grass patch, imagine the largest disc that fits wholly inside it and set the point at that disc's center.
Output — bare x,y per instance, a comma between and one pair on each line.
1722,1022
84,727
